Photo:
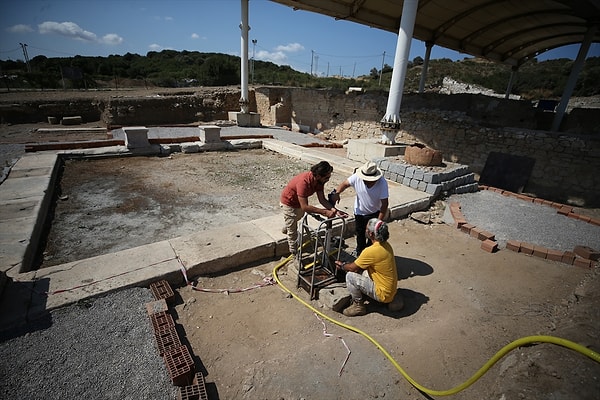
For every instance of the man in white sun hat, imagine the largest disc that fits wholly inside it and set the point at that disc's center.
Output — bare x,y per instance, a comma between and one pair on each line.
371,199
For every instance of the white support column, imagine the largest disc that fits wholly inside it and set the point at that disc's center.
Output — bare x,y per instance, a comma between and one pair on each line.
390,124
577,66
244,103
428,47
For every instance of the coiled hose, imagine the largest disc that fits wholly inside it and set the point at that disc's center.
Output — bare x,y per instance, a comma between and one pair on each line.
506,349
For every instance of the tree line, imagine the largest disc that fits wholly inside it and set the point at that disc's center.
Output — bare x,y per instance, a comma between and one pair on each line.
170,68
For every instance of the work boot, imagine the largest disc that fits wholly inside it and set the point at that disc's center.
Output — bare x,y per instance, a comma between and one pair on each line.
356,309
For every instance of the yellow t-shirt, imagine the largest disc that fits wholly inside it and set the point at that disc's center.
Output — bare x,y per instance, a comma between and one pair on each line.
378,260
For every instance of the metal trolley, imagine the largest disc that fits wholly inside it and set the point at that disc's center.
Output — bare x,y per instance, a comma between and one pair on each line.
319,270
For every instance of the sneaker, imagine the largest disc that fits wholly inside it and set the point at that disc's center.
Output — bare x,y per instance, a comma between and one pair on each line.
356,309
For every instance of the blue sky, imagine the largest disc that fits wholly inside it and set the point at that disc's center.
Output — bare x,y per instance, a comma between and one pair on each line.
305,41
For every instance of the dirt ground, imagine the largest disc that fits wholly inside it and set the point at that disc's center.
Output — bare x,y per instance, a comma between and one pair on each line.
462,304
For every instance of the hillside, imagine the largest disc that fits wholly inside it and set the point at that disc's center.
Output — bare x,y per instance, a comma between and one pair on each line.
171,69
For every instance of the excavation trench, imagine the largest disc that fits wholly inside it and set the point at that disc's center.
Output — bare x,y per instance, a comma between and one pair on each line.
111,204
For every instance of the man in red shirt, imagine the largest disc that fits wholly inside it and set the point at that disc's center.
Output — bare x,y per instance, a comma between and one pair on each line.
294,200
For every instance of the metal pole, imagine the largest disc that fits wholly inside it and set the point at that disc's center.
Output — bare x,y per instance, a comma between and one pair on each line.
570,86
253,51
381,71
425,67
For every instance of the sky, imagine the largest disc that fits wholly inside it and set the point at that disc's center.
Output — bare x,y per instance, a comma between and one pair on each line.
306,41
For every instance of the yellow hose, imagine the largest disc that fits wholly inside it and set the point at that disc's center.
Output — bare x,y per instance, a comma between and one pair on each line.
509,347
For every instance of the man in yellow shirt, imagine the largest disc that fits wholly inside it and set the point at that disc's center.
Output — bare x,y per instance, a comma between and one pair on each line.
381,278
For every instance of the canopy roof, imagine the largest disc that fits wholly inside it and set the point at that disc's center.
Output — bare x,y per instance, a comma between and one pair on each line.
506,31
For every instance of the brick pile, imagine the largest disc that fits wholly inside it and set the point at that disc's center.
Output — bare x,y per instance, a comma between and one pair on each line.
176,356
581,256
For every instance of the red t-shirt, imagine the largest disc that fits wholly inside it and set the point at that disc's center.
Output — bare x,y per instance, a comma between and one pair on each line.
303,185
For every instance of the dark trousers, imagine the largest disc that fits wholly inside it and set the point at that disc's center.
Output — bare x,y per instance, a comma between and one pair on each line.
361,225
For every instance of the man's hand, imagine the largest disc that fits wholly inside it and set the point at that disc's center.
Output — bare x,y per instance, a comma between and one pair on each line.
331,213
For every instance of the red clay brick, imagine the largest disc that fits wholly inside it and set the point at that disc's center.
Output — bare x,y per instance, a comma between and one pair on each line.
555,255
568,257
537,200
595,221
167,340
583,218
524,198
180,366
161,320
587,252
466,228
162,290
458,223
526,248
475,231
582,262
196,391
485,235
513,245
539,251
489,245
565,210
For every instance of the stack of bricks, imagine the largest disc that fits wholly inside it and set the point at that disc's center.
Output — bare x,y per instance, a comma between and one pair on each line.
176,355
455,179
581,256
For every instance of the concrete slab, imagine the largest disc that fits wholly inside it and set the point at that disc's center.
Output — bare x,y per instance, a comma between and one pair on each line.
71,282
222,249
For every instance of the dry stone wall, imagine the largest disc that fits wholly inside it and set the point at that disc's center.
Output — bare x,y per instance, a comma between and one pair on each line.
466,128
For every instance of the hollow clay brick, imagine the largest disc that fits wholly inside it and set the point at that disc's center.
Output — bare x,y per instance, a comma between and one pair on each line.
162,290
167,339
161,320
196,391
180,366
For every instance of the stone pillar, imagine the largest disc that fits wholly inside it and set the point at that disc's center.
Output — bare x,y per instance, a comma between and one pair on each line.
136,137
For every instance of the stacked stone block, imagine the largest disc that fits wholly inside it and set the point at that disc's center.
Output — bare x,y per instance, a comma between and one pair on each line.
455,179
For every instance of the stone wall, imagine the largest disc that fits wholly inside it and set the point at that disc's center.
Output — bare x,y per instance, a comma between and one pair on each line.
466,128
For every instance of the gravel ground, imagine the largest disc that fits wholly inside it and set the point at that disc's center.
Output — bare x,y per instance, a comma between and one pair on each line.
103,348
513,219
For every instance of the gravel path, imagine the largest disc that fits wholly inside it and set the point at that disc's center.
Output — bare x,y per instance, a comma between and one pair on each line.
512,219
103,348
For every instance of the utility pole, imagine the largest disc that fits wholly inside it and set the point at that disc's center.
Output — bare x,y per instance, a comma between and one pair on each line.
253,51
382,64
24,47
312,57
